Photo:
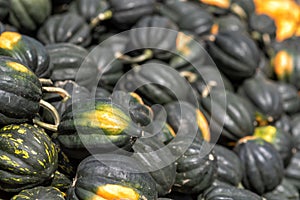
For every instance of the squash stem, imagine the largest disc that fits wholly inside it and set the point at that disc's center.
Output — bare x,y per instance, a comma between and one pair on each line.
190,76
45,81
208,88
53,112
101,17
235,8
147,54
63,93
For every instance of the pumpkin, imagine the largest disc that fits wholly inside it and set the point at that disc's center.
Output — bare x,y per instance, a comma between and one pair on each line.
156,83
97,126
20,91
292,171
196,168
28,15
262,164
155,157
112,176
27,50
4,9
282,141
40,193
189,16
66,60
28,157
55,28
286,190
230,115
229,166
290,98
264,96
295,129
127,12
61,181
235,54
217,192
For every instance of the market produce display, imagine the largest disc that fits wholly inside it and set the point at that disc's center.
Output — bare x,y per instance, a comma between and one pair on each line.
150,99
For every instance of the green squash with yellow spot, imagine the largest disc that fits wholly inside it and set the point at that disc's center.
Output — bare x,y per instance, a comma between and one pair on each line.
40,193
96,126
27,157
20,92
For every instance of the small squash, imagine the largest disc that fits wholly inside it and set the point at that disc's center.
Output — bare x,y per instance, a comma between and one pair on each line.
61,181
40,193
290,98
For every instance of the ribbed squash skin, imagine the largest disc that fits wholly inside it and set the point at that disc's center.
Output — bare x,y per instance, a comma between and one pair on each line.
61,181
295,129
290,98
292,171
29,14
228,23
151,33
262,25
4,9
40,193
286,190
265,97
161,168
229,166
220,192
55,28
195,170
66,59
27,50
233,110
99,126
284,123
20,92
89,9
262,164
98,171
28,157
235,54
128,12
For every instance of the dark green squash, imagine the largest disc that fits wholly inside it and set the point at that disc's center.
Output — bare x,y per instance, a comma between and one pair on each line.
127,12
4,9
156,158
283,123
40,193
290,98
20,91
66,60
28,158
262,164
28,15
196,168
282,141
112,176
265,97
156,83
65,28
228,23
229,166
220,192
285,191
292,171
295,129
188,15
61,181
27,50
230,115
6,27
235,54
96,126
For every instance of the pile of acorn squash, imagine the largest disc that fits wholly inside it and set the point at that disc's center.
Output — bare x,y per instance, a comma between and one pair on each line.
150,99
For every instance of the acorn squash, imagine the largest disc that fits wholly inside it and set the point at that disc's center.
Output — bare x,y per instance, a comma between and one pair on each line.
40,193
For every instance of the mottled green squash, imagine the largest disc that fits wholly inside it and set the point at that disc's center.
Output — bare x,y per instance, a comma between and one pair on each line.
27,50
40,193
28,15
112,176
61,181
28,157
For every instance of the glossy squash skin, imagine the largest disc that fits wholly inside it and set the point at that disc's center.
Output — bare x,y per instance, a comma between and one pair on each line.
27,50
229,166
20,92
29,157
262,164
112,177
235,54
28,15
40,193
290,98
228,23
55,28
98,126
292,171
